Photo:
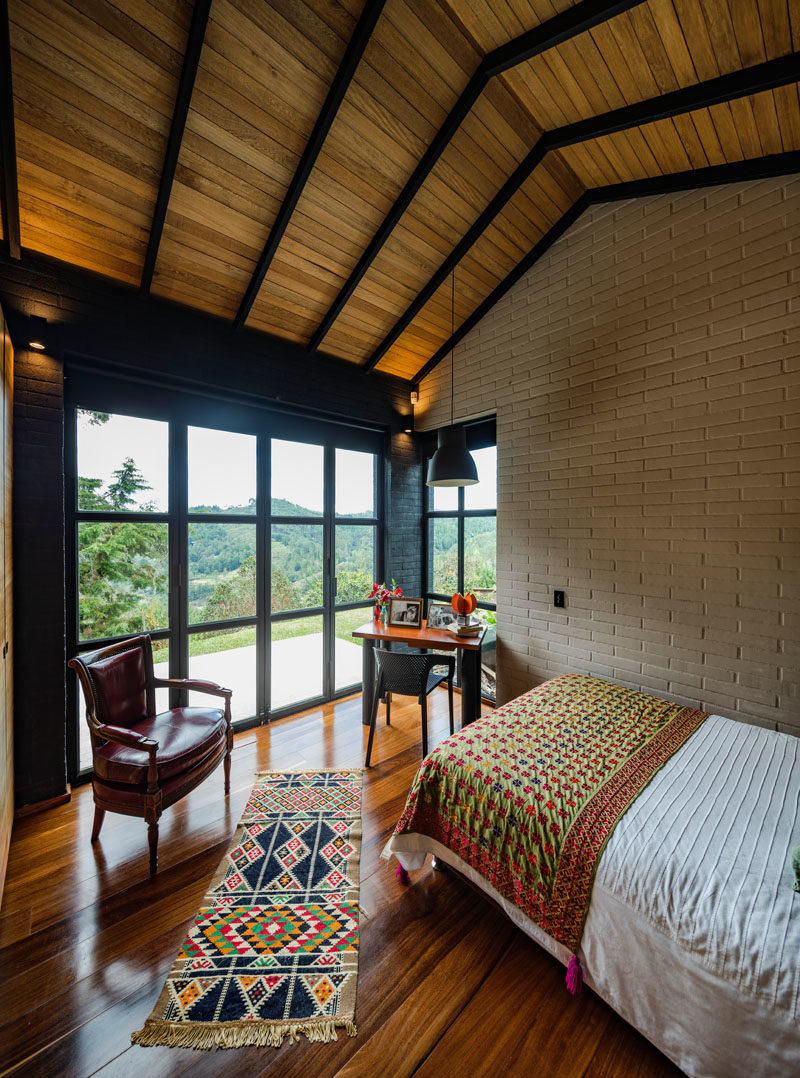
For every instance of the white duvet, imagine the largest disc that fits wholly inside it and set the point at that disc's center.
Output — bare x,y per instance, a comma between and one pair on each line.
693,931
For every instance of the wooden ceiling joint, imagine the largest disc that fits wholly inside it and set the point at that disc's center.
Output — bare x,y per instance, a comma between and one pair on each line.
339,87
568,24
191,60
758,168
741,83
8,141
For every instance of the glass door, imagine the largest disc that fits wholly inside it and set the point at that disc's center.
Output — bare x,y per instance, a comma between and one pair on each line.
355,558
323,560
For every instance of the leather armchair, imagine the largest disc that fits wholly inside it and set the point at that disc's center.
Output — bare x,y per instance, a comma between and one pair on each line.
144,762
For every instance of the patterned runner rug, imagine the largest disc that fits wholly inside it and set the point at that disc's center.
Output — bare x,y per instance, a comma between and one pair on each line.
273,951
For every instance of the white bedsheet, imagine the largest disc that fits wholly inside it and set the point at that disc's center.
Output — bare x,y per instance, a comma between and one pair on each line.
693,931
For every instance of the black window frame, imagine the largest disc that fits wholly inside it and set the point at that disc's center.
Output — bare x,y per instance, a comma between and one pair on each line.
88,388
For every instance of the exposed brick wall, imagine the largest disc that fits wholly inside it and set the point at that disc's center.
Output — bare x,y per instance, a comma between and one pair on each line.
39,655
404,515
646,381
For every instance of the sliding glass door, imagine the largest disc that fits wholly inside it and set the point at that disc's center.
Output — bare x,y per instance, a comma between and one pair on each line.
247,556
323,559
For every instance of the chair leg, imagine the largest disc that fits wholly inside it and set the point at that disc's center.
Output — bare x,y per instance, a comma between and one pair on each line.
388,709
226,765
152,841
423,703
99,816
373,716
450,702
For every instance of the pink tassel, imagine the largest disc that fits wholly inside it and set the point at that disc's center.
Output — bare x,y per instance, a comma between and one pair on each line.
574,976
401,875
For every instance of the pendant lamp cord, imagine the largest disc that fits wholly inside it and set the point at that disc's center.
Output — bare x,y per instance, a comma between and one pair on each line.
452,346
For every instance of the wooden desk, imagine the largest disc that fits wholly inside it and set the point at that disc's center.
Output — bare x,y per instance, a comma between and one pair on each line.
373,632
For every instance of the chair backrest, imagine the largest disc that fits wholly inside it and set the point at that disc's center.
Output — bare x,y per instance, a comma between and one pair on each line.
118,682
405,672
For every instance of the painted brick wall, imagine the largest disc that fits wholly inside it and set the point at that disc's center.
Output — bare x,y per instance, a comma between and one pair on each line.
646,380
39,654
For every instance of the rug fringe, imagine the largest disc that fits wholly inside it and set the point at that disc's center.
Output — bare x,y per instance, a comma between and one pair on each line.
309,770
204,1036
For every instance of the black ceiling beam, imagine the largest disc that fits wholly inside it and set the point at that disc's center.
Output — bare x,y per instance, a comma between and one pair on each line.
751,80
191,60
758,168
8,139
570,23
338,88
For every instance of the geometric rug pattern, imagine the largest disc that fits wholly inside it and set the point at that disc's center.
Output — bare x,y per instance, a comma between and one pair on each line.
273,950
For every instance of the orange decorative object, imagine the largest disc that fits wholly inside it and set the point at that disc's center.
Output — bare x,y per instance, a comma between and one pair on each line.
463,604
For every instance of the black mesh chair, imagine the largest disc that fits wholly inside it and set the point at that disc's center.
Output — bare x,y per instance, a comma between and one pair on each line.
409,674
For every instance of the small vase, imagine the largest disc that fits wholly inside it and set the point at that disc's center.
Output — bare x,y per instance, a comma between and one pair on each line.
376,614
384,615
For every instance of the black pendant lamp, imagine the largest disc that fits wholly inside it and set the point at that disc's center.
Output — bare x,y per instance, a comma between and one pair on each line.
451,465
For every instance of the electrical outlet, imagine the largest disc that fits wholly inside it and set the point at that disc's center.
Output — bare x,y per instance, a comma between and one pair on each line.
558,598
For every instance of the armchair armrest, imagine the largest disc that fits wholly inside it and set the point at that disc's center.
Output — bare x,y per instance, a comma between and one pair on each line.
209,687
121,735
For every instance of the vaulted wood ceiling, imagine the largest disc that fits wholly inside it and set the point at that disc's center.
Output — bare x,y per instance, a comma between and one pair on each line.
315,169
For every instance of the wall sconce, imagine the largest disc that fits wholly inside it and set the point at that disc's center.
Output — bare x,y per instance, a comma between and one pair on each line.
38,332
414,396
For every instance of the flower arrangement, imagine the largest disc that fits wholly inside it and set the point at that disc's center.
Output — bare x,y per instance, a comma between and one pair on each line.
381,595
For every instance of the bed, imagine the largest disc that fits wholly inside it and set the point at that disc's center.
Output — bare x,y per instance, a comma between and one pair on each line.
691,926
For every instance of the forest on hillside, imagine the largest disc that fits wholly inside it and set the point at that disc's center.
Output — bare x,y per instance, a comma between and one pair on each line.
123,566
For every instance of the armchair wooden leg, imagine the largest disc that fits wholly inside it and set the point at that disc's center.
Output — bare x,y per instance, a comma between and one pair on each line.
152,841
388,709
226,764
99,816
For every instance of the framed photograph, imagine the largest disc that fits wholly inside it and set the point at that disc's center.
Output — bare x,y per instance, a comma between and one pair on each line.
441,616
403,611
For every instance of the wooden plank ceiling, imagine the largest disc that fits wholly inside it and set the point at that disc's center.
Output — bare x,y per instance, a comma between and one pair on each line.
95,85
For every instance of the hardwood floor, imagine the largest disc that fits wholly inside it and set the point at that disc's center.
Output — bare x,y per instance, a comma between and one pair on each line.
447,986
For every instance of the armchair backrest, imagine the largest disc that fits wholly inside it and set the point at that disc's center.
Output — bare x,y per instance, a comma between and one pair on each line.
118,682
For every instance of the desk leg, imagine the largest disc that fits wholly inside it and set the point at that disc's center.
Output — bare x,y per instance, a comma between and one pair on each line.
470,686
367,680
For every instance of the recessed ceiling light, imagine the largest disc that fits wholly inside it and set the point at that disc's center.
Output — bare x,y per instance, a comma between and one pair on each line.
37,345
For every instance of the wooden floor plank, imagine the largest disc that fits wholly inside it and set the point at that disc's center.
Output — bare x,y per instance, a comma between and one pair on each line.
446,984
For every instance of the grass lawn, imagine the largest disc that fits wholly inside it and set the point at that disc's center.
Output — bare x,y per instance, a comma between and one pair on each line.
228,639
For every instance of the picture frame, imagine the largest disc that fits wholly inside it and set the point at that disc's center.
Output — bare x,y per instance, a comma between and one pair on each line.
441,616
405,612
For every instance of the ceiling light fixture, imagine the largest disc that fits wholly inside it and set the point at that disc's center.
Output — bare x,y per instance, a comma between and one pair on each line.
37,345
451,465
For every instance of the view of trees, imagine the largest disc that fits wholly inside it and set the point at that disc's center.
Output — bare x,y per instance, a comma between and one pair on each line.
122,565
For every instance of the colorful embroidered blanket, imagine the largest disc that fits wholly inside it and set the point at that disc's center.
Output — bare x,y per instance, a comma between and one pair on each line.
529,795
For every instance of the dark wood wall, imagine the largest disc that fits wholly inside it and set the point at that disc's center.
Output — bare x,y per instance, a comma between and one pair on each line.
116,329
6,605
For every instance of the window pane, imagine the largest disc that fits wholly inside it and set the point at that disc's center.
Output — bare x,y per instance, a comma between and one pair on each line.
222,571
122,462
484,494
229,658
297,478
480,557
355,562
160,669
122,578
222,471
296,566
348,648
444,498
443,539
355,483
296,661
